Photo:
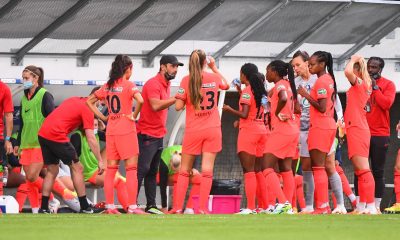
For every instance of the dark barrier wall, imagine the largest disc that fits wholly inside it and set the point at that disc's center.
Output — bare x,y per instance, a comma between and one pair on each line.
228,166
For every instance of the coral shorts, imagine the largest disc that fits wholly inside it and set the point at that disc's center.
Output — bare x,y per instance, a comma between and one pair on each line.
358,141
31,155
282,146
252,143
321,139
122,147
195,143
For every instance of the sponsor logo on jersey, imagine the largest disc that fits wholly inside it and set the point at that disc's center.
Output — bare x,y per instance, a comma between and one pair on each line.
322,91
181,91
209,85
246,96
115,89
280,87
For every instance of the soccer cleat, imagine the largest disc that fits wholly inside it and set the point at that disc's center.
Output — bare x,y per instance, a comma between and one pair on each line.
203,211
340,209
44,211
111,211
135,211
393,209
367,212
307,210
175,211
283,208
54,204
269,210
372,210
188,211
246,211
259,210
324,210
73,204
92,210
100,205
153,210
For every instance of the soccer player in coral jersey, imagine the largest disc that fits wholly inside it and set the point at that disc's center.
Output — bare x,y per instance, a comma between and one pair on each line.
199,93
252,131
358,134
322,123
396,207
122,142
281,145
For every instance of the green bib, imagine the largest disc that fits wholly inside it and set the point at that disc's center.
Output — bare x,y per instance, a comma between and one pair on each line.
31,113
166,156
87,158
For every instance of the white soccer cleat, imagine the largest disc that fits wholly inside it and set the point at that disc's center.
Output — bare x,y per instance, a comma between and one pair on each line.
188,211
73,204
340,209
246,211
54,204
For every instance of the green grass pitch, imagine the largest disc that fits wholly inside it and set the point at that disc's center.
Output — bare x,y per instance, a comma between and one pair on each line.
111,227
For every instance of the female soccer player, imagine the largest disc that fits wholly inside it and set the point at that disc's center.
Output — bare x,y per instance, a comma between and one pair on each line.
396,207
282,143
199,93
36,104
252,131
357,129
122,143
322,123
90,166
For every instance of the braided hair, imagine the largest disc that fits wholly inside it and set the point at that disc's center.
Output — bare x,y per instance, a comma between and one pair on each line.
250,70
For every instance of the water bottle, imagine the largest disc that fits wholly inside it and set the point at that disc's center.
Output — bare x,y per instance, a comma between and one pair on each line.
264,103
236,82
5,176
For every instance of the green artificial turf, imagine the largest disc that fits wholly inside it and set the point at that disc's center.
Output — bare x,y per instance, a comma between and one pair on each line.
79,226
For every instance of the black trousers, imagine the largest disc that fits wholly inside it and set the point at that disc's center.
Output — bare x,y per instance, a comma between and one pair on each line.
150,149
377,153
163,171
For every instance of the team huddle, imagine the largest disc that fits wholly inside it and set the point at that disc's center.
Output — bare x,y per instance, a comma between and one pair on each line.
288,137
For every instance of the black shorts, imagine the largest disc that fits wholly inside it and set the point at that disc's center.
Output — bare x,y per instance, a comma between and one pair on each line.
53,152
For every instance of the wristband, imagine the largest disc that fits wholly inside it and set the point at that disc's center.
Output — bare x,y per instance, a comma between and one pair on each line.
7,138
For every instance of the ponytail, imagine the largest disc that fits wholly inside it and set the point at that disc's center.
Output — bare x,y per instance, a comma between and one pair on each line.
41,77
118,67
196,63
330,71
326,57
364,72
